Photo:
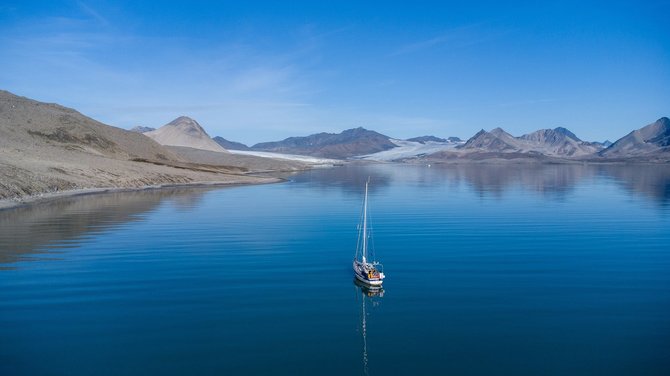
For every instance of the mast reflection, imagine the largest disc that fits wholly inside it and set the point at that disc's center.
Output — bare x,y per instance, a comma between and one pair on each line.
369,295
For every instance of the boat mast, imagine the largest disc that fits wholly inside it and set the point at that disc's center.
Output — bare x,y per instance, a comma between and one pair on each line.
365,223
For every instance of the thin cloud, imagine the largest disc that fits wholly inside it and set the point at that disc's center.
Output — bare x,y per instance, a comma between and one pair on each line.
88,10
462,36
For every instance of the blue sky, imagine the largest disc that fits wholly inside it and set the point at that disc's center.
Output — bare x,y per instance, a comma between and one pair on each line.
261,71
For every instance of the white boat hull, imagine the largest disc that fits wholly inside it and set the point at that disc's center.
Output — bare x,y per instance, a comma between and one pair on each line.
361,274
371,282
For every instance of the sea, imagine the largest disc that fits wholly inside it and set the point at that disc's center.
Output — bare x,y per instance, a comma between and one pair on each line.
491,269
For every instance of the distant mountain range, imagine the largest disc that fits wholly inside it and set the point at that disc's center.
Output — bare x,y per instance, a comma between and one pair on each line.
141,129
557,142
425,139
648,143
352,142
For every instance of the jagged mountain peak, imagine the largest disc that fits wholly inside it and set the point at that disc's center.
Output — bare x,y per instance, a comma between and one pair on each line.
566,132
498,131
481,132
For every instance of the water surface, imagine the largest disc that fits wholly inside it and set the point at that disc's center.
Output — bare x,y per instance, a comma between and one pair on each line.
510,269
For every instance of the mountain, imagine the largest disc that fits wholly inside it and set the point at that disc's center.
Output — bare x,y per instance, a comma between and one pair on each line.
424,139
646,141
495,141
349,143
565,132
184,131
141,129
557,142
230,145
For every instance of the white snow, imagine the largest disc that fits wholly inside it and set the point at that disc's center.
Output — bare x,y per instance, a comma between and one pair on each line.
290,157
409,149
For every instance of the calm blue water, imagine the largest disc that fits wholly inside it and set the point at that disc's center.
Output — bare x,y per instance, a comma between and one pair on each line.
505,270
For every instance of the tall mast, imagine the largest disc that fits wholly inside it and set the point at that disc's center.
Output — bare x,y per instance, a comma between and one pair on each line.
365,223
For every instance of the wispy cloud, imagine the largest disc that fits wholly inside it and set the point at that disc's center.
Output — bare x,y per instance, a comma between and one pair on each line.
92,13
458,37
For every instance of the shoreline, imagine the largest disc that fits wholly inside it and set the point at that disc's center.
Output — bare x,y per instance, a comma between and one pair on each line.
262,178
42,198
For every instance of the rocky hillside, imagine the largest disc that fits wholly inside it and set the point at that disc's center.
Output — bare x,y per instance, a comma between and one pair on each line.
352,142
47,148
653,139
184,131
559,142
27,125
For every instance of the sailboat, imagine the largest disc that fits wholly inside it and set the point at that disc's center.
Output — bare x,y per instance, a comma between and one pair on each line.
369,273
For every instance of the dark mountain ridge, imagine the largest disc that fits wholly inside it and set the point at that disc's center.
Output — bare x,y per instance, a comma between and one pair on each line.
142,129
349,143
424,139
230,145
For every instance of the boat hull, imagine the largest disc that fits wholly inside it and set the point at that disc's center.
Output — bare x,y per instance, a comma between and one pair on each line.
361,274
369,282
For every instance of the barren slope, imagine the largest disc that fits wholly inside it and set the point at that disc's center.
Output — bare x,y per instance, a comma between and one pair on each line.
651,139
47,148
184,131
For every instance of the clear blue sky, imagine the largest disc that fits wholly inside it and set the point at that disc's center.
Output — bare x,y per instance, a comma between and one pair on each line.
261,71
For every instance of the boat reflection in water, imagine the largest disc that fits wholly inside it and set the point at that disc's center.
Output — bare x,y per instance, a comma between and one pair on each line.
370,295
